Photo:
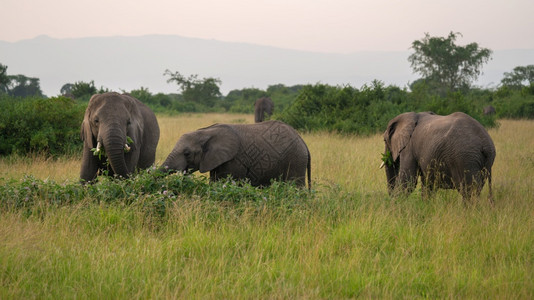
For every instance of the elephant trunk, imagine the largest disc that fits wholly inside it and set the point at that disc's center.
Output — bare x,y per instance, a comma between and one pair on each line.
114,142
258,116
175,162
391,174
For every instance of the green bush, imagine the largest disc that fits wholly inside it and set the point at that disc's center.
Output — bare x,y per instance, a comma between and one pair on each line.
346,109
237,101
153,191
34,124
515,104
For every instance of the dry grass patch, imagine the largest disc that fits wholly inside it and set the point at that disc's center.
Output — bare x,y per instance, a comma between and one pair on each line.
348,240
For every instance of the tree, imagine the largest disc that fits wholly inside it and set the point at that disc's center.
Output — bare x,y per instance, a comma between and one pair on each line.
22,86
205,91
450,66
19,85
519,77
4,80
82,89
66,90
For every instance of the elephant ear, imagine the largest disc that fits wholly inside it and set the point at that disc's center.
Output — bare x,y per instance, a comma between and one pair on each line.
399,132
220,144
86,133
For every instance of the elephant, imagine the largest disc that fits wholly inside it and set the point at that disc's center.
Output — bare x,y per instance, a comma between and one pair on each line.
489,110
258,152
263,107
119,129
449,152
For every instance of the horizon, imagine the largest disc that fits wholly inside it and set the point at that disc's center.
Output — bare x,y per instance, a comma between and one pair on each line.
230,42
341,26
59,61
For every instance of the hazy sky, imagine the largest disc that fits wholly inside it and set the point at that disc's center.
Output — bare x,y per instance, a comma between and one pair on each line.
341,26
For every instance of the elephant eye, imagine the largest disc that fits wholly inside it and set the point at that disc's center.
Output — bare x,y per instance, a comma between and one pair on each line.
187,152
128,123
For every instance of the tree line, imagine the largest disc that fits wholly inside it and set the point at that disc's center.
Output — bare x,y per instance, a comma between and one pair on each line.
447,71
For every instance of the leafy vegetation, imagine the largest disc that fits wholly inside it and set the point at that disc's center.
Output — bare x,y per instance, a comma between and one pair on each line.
35,124
204,91
448,66
158,192
368,110
4,80
520,77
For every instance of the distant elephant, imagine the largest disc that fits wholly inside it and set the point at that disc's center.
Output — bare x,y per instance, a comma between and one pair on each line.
452,151
257,152
121,129
263,107
489,110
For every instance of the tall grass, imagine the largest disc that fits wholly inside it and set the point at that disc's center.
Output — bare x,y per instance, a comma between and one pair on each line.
347,239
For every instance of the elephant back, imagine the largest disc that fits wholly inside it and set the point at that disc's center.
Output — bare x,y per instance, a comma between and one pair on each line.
270,147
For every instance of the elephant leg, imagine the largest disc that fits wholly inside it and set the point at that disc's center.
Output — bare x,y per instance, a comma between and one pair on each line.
297,177
89,168
297,173
468,183
132,159
428,185
407,180
146,159
231,168
426,190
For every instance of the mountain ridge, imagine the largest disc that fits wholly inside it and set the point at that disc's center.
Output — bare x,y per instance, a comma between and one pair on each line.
131,62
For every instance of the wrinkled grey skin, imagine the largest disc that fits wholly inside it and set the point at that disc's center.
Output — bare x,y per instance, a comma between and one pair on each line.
109,118
263,107
258,152
452,151
489,110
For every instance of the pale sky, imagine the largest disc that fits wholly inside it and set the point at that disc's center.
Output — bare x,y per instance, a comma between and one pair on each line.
339,26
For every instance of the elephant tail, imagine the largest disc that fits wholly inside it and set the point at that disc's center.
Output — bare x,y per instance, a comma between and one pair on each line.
309,169
489,186
489,154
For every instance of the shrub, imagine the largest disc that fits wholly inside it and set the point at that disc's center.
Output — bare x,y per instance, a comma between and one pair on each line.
345,109
515,104
149,189
38,124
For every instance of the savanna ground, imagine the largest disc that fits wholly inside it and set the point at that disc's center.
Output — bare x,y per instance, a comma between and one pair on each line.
348,239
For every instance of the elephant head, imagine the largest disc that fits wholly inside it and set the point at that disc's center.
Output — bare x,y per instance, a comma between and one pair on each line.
489,110
263,107
396,138
113,124
202,150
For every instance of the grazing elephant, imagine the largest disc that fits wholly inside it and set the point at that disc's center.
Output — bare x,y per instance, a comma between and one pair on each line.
452,151
120,129
489,110
258,152
263,107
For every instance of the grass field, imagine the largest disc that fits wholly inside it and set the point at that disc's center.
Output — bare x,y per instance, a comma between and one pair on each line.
347,239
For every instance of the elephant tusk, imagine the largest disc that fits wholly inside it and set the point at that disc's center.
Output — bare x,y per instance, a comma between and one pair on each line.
382,165
127,148
98,145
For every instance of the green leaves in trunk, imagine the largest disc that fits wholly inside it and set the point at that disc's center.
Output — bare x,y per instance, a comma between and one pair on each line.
387,158
98,151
